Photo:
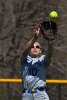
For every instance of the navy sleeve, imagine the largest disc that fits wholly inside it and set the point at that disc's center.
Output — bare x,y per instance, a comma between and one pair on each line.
20,60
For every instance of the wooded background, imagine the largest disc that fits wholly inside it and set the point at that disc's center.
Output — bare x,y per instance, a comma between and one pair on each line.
18,18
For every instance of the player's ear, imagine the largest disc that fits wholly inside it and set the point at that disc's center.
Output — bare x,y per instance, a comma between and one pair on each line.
41,51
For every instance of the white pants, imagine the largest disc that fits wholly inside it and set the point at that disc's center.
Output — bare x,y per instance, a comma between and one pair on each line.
40,95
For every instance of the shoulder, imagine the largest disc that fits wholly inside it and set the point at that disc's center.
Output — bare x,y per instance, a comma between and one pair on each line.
29,58
21,60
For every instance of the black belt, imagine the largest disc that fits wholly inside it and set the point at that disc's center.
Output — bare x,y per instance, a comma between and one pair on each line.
33,90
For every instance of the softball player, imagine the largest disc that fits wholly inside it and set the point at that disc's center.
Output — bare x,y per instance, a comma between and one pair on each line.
34,69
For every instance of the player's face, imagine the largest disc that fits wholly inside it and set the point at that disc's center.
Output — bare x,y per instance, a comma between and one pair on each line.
35,50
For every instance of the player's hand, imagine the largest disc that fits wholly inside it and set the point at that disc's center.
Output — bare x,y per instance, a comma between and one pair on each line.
36,32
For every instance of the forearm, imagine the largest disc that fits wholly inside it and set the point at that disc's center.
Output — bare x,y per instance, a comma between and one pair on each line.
49,52
29,45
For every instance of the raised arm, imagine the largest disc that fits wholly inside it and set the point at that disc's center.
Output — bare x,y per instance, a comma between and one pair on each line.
49,52
29,45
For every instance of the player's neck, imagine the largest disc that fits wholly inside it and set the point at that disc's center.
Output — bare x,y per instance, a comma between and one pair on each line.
35,56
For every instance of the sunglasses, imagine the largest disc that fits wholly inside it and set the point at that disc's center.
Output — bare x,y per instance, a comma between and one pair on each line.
37,46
